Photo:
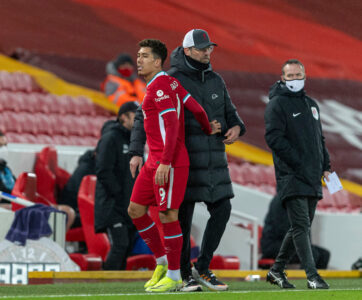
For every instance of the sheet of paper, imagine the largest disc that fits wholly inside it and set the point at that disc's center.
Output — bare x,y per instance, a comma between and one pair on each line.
334,185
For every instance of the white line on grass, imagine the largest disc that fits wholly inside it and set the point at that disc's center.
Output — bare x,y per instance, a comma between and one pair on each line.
173,293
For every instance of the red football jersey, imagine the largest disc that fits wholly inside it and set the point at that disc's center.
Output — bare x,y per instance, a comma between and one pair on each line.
163,111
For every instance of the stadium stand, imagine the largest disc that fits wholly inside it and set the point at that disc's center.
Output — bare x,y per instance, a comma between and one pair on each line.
262,178
28,114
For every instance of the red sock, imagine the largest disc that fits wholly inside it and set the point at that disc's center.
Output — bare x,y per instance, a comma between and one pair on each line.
149,233
173,244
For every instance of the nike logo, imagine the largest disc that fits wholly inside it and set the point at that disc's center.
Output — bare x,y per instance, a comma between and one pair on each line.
214,96
296,115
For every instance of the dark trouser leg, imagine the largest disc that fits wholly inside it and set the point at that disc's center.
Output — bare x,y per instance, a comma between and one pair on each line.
219,216
185,214
120,241
300,214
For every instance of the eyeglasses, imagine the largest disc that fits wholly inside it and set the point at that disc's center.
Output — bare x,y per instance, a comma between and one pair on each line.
206,49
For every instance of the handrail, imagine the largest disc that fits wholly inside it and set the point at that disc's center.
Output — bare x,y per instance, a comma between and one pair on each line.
254,236
15,199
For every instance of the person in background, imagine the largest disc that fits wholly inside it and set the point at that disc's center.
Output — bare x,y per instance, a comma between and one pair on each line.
276,225
209,179
69,194
122,83
7,179
293,131
114,187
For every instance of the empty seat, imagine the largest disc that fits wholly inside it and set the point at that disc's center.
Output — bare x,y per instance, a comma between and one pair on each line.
86,106
45,169
11,122
26,187
97,243
221,262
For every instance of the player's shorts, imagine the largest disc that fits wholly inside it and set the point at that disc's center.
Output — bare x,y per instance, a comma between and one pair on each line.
169,196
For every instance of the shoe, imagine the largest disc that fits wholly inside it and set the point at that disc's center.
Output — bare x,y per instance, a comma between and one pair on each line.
158,274
166,284
280,279
209,280
191,285
317,282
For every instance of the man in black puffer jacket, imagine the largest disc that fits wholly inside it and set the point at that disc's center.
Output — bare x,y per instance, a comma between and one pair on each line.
293,131
209,179
114,187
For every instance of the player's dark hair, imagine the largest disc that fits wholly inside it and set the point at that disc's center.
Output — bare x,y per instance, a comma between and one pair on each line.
292,62
159,49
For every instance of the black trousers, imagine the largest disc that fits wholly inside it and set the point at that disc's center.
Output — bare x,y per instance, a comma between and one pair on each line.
121,238
219,216
300,214
321,255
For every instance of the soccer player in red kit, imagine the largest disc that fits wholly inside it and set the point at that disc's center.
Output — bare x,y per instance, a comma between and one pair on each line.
162,180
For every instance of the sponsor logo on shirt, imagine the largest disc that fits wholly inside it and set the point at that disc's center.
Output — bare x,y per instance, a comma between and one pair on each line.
162,98
174,85
159,93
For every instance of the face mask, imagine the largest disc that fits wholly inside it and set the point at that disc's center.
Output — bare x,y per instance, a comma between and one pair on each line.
295,85
4,153
126,72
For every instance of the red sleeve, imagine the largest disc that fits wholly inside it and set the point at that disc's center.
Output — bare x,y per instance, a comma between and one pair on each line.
199,113
167,111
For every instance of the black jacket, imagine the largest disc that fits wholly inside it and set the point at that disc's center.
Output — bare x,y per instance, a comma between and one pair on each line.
114,180
86,166
209,179
294,134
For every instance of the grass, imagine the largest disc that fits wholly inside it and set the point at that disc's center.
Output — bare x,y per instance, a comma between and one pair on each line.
340,289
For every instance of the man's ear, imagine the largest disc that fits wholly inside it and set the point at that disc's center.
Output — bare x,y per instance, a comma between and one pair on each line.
158,62
282,78
187,51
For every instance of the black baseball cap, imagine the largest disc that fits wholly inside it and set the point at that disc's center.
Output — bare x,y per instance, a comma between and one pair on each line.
126,107
197,38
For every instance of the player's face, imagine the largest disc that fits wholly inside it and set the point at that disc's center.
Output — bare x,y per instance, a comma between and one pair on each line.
292,72
147,64
200,55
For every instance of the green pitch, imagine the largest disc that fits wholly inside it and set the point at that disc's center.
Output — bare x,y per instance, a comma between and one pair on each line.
340,289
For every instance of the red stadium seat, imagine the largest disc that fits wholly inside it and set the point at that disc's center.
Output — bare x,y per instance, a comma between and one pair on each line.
51,179
50,175
11,122
86,106
25,187
97,243
87,262
141,262
220,262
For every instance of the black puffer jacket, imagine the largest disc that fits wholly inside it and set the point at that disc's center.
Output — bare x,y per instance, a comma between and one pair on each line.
209,179
114,180
294,134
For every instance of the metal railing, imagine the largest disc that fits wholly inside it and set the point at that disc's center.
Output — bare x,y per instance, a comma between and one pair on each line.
254,234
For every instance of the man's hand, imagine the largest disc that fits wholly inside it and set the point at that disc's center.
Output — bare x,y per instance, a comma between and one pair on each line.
161,176
232,134
135,163
326,174
215,127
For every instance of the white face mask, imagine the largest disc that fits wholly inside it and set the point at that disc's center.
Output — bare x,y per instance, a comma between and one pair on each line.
295,85
4,153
